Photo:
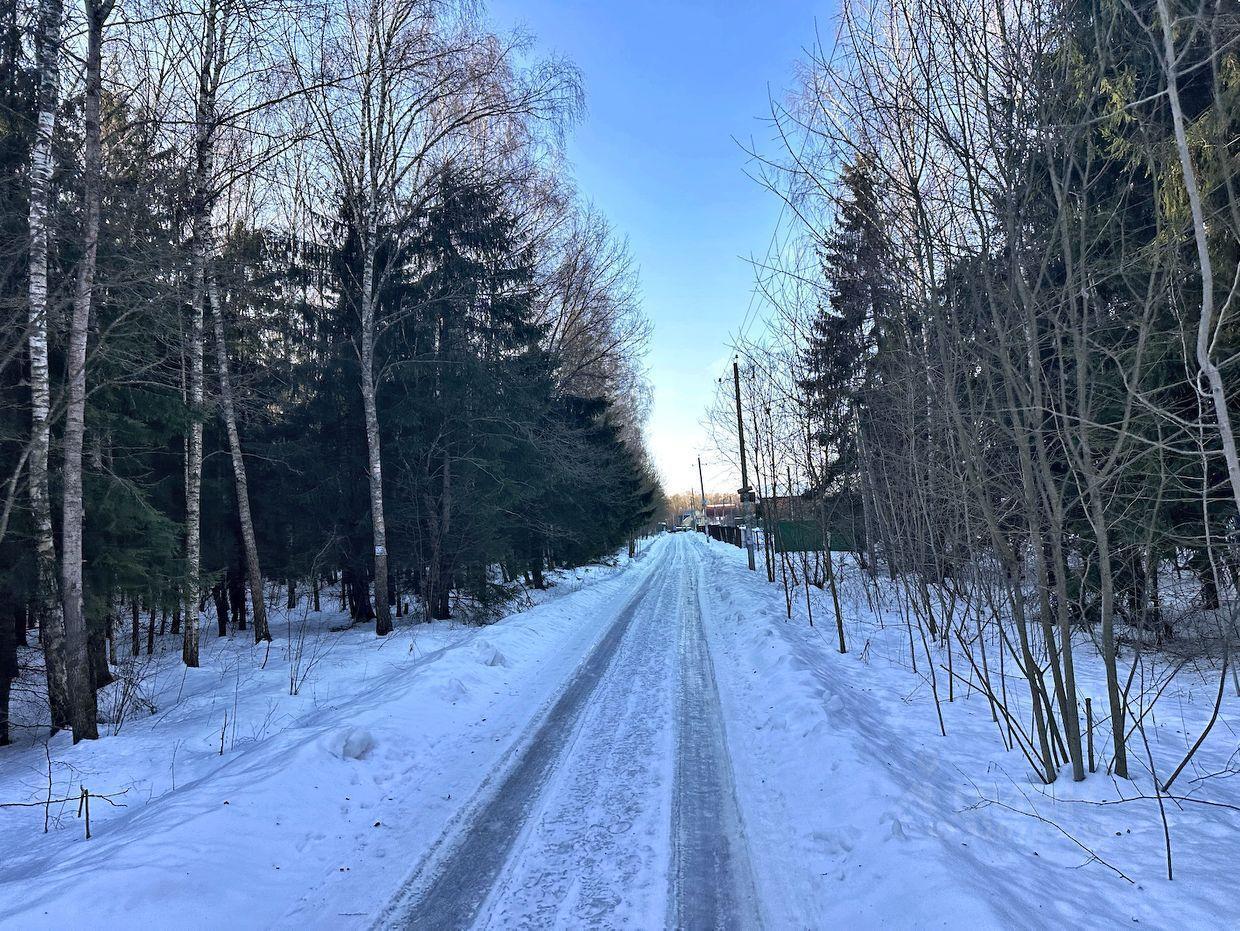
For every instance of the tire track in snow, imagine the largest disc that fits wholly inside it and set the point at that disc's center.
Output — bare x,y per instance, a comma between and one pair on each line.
449,889
596,853
712,884
619,808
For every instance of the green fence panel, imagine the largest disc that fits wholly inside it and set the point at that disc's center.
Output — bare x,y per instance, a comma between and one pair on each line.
805,536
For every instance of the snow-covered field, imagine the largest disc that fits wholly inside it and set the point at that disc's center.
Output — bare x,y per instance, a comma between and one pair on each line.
837,801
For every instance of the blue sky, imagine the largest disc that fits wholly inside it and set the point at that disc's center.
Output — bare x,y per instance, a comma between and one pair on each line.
669,88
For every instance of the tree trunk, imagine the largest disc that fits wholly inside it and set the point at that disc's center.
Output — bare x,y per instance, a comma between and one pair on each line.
219,594
97,642
867,506
6,689
1205,321
1115,695
228,413
193,459
1209,591
9,621
203,198
236,598
441,590
835,602
83,711
47,606
357,592
383,617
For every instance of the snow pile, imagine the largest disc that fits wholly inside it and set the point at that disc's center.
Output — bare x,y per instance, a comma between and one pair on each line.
355,743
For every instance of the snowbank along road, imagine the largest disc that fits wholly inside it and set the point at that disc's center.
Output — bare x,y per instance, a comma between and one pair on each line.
617,806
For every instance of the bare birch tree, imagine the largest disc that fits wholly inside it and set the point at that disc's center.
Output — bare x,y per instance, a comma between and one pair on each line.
81,686
47,601
399,89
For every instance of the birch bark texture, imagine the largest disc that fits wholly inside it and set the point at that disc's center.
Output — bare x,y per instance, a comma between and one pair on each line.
209,67
374,458
83,711
46,602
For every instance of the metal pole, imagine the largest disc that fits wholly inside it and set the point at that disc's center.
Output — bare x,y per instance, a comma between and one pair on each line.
745,495
702,486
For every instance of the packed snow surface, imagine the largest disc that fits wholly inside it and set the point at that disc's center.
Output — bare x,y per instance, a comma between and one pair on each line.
656,744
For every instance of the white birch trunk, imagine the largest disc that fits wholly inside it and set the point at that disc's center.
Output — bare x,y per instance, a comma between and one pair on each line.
83,711
201,212
46,602
193,449
383,618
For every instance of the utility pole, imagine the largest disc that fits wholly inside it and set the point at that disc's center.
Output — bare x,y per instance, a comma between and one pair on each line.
702,486
745,493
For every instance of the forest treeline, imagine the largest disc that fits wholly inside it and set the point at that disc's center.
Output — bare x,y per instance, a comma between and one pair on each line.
294,294
1003,342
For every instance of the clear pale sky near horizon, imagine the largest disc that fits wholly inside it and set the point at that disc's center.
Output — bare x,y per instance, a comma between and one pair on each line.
670,88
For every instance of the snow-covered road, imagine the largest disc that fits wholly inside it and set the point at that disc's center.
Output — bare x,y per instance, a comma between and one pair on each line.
655,744
617,805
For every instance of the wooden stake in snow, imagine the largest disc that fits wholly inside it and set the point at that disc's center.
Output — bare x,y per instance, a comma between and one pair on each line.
1089,731
84,806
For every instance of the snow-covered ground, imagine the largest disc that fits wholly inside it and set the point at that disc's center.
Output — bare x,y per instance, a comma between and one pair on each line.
862,814
654,744
320,803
